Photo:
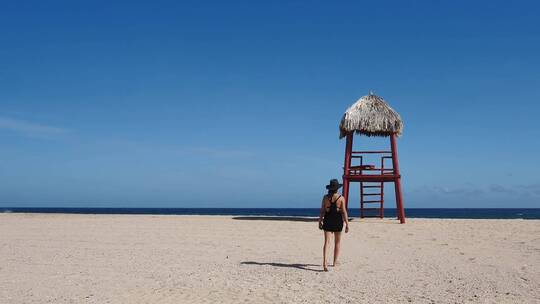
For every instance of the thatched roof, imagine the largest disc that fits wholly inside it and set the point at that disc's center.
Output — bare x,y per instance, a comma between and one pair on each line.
371,116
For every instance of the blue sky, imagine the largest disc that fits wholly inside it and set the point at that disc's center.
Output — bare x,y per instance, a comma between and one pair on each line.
237,104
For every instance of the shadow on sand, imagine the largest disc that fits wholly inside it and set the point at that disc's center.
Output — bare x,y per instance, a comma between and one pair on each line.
298,266
280,218
276,218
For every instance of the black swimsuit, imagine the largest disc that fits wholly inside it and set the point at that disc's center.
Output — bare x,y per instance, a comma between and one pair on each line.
332,218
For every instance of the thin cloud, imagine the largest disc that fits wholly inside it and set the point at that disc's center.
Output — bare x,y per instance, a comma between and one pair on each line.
464,190
217,152
523,190
171,149
533,189
501,189
30,129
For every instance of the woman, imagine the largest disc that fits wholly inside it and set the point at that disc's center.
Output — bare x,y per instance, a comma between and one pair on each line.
333,214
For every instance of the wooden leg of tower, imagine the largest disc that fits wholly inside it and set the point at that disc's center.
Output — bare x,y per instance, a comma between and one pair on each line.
381,211
399,201
361,200
346,169
346,193
397,180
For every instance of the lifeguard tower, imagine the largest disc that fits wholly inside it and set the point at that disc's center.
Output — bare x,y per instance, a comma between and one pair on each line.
372,116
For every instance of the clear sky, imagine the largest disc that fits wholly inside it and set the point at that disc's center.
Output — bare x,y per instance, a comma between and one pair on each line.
237,104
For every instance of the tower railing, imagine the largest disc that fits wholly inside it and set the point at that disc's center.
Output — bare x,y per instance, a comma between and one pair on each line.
370,169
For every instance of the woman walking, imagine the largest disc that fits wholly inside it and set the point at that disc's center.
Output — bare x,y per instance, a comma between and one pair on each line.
333,214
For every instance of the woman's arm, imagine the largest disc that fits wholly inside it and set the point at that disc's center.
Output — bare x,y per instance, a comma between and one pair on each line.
321,213
344,215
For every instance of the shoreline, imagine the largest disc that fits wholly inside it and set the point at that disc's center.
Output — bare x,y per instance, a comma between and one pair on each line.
269,217
427,213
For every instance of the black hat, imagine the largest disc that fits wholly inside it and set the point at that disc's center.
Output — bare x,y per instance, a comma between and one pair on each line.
333,185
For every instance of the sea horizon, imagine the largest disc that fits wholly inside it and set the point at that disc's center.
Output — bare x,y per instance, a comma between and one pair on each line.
449,213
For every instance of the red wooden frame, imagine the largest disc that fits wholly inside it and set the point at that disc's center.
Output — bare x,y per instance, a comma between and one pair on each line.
371,174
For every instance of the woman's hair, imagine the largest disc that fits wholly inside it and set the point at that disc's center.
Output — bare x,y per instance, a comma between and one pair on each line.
332,191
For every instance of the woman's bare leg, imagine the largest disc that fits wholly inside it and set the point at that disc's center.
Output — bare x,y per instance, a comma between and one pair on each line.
326,243
337,245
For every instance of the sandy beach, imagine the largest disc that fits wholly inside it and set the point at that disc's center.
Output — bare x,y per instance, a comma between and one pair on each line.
58,258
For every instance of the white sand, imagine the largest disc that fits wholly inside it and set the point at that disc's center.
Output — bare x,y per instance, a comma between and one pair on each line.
201,259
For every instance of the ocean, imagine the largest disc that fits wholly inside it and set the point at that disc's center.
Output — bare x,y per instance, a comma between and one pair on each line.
450,213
